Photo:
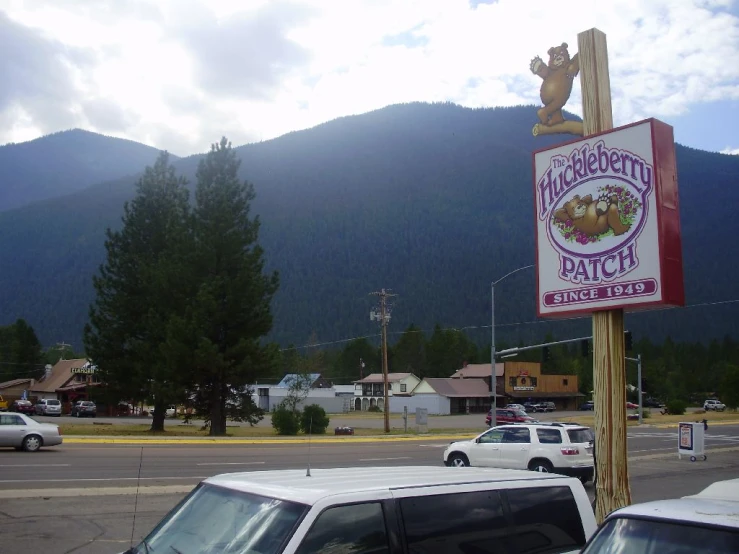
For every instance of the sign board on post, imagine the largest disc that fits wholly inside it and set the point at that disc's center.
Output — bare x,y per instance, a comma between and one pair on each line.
608,222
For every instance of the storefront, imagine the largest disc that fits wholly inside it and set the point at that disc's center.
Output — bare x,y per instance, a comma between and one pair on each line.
524,382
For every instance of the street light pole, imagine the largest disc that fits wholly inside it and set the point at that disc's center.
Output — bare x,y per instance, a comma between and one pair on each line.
638,377
493,381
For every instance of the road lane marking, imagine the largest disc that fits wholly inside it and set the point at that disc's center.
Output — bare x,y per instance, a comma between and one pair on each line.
97,479
384,459
230,463
36,465
95,491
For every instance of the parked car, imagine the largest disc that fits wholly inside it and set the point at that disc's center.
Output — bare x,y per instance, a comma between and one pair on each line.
545,407
376,510
84,408
714,405
585,406
652,403
24,433
632,406
49,407
504,415
23,407
3,404
529,407
543,447
704,523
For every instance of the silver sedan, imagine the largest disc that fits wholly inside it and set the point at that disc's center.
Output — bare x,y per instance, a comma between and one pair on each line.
25,433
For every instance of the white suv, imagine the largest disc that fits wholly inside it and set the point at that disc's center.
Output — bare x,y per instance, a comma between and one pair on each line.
714,405
546,447
377,510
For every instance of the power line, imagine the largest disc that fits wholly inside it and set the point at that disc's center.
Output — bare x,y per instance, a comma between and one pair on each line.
497,325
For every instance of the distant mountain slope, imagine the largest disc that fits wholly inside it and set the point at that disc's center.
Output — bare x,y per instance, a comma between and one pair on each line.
65,162
432,201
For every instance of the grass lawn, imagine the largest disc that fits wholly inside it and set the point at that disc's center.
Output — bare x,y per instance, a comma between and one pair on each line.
655,418
180,430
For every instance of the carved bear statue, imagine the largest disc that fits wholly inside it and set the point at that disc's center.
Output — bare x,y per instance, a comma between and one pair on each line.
557,77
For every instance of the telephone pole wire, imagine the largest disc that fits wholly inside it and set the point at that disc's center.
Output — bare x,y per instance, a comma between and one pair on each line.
384,318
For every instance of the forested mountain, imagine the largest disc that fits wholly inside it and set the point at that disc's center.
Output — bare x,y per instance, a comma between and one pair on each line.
65,162
433,201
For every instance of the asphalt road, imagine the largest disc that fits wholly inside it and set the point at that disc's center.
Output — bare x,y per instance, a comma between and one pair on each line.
82,498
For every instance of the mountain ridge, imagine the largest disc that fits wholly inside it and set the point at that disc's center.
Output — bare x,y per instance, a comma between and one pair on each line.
431,200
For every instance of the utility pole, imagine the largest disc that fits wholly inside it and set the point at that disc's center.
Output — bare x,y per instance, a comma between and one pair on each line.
61,346
384,318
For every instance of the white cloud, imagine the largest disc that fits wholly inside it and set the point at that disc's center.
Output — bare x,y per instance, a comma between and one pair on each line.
178,74
732,151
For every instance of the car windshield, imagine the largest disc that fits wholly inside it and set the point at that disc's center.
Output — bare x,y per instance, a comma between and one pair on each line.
216,520
579,436
626,536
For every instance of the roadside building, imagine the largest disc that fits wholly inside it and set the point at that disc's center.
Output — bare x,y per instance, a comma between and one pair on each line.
370,391
16,389
524,382
454,395
67,381
484,372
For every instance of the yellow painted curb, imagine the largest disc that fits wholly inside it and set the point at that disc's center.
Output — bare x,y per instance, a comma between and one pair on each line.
669,425
220,441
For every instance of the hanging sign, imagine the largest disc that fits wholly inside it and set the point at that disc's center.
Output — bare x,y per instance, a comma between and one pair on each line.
608,222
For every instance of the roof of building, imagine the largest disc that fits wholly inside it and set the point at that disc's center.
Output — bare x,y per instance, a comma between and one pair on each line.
14,383
391,377
290,378
60,375
459,388
478,370
534,394
294,485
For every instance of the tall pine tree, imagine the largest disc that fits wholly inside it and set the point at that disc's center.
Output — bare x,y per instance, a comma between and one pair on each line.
231,306
141,288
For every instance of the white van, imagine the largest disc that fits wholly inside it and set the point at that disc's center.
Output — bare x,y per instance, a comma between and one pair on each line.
378,510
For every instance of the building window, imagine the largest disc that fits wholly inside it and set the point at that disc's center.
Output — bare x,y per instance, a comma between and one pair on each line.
403,387
533,381
511,381
564,382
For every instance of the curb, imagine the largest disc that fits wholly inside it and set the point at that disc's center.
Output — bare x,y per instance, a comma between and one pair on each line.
242,441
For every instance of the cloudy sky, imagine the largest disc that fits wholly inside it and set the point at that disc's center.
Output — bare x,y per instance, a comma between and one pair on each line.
178,74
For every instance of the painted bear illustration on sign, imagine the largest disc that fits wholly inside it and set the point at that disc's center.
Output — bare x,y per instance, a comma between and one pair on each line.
557,78
593,218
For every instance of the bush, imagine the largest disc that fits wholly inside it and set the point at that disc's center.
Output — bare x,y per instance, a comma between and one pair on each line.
374,409
314,420
646,414
285,421
676,407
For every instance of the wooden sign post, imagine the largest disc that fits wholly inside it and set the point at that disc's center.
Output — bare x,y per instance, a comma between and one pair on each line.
609,355
607,234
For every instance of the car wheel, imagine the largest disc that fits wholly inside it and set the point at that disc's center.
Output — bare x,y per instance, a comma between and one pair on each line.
458,460
32,443
542,466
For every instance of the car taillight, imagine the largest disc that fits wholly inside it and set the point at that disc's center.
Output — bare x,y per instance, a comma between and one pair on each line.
569,451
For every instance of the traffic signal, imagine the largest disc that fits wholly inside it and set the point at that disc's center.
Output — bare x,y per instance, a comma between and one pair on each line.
627,341
585,347
545,354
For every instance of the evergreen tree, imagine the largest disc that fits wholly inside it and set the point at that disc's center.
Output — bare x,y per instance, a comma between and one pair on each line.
230,310
20,352
140,288
409,353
